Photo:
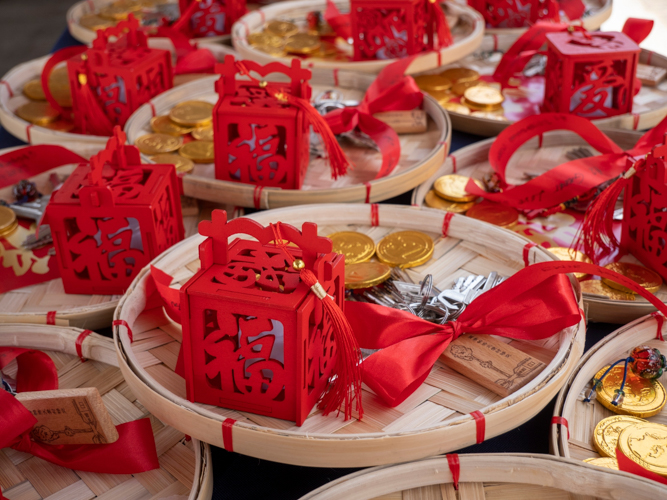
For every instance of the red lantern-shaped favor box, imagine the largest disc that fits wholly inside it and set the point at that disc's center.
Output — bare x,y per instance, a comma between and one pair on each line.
590,74
260,139
254,337
111,217
110,80
515,13
211,17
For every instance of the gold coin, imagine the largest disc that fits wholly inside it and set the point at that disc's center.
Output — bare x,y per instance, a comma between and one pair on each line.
281,28
646,444
38,112
475,107
607,431
489,115
8,221
432,82
198,151
119,10
643,398
460,74
203,134
182,164
442,96
606,462
302,43
94,22
460,87
452,187
192,113
484,96
365,274
327,49
272,51
494,213
643,276
405,249
33,90
570,255
152,144
357,247
456,108
60,125
59,86
432,200
265,38
596,287
164,125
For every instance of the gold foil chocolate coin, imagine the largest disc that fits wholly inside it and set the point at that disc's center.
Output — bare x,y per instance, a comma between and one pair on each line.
483,96
442,96
265,38
607,431
281,28
152,144
405,249
455,107
643,398
203,134
38,112
59,86
33,90
272,51
452,187
646,444
606,462
365,274
182,164
460,87
8,222
570,255
94,22
119,10
494,213
192,113
198,151
489,115
460,74
432,200
164,125
302,43
641,275
432,82
596,287
357,247
60,125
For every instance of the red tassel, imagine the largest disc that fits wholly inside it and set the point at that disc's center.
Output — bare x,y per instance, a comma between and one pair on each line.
95,120
596,235
441,26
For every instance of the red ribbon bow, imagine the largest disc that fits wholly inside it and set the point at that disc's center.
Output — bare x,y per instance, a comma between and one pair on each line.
133,452
392,90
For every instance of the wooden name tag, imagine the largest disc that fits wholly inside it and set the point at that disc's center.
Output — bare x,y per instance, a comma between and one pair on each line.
69,416
650,75
491,363
405,122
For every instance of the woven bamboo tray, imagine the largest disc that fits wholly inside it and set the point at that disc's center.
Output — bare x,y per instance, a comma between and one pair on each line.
467,34
420,154
435,419
559,229
501,476
649,105
185,466
32,304
11,98
583,417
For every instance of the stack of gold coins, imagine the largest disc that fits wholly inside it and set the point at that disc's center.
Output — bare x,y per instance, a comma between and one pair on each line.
449,194
641,275
8,221
435,85
405,249
39,112
495,213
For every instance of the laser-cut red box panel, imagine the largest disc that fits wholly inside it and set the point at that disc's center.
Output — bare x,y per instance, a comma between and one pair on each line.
515,13
213,17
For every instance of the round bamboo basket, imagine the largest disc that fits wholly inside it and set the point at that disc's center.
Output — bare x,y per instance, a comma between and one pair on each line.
434,419
649,105
11,98
490,476
420,154
32,304
559,229
85,35
185,466
467,33
583,417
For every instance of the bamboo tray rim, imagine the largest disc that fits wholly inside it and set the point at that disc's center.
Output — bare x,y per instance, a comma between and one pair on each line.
561,363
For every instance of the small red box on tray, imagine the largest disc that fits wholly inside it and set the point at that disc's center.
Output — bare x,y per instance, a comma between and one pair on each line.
211,17
111,217
515,13
254,337
590,74
110,80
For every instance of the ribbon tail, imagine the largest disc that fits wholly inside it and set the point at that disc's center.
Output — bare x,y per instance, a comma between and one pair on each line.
198,61
573,9
386,139
171,297
637,29
650,139
15,419
627,465
340,23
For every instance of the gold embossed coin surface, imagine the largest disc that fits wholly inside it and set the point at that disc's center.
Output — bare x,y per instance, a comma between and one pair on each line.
452,187
203,134
460,87
164,125
432,200
37,112
281,28
33,90
646,444
571,255
607,431
302,43
265,38
94,22
405,249
494,213
641,275
455,107
192,113
483,96
606,462
8,221
152,144
59,86
432,82
198,151
643,398
356,246
182,164
365,274
460,74
596,287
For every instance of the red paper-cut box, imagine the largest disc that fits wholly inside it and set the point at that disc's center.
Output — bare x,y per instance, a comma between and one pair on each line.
212,17
254,338
110,80
111,217
590,74
515,13
258,138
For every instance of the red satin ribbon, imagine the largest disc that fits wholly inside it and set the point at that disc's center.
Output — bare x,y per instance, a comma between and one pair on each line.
170,296
33,160
392,90
189,58
570,179
340,23
627,465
